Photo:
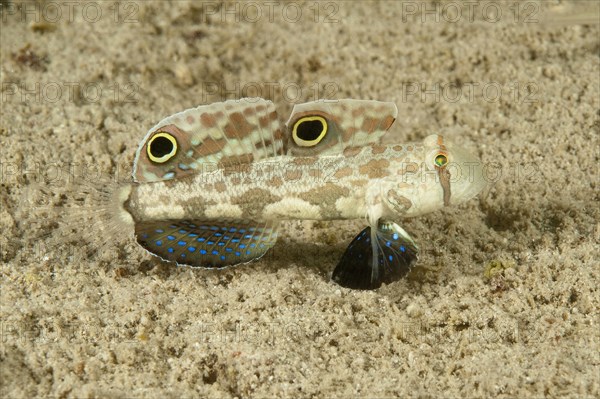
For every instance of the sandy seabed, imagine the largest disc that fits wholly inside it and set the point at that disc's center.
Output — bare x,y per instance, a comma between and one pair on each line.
504,301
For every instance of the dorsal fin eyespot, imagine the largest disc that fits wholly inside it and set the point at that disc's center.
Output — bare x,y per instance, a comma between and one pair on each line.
161,147
309,130
349,123
165,166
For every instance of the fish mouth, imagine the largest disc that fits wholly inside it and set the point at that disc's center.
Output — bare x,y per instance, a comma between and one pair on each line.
466,174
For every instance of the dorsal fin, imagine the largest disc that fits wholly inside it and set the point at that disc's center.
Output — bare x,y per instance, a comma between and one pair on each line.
327,127
223,133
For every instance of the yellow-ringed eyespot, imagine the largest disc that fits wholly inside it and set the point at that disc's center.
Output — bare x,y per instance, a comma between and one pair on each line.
161,147
440,160
309,130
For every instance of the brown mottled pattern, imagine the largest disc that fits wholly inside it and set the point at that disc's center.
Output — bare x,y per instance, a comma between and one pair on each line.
408,167
315,173
400,158
236,169
264,122
358,111
338,120
343,172
236,159
135,205
249,111
209,121
238,126
352,151
171,183
369,124
275,181
387,122
189,180
253,201
360,183
292,174
278,134
320,181
266,144
375,168
378,149
281,142
348,134
195,206
258,173
305,160
325,197
209,146
398,148
163,199
220,187
323,146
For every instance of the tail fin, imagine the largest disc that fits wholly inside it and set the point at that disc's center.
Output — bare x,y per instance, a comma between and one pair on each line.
79,211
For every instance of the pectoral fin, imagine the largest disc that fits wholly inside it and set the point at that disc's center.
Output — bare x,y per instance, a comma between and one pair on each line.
391,249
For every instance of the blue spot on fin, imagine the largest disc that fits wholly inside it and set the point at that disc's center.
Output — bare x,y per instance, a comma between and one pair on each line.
356,270
197,246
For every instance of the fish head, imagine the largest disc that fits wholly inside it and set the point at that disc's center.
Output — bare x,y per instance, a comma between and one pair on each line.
434,175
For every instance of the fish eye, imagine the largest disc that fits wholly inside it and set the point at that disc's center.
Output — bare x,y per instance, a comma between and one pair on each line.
162,147
309,131
440,160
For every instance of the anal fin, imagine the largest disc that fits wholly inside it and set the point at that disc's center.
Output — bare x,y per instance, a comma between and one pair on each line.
391,248
207,243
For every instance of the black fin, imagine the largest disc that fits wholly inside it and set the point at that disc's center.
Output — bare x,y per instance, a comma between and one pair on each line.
207,243
395,251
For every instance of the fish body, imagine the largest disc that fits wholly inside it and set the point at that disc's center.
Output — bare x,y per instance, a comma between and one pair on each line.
333,187
211,184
